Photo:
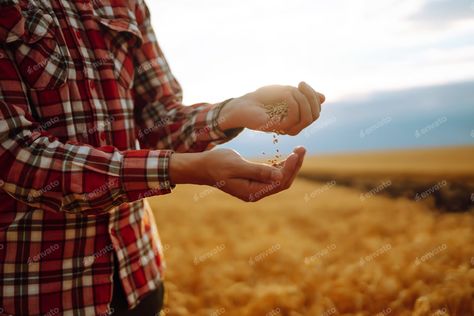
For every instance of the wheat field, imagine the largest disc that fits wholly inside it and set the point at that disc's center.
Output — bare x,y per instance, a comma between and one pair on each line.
319,248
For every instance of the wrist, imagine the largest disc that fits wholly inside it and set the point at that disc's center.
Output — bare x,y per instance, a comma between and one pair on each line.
230,115
187,168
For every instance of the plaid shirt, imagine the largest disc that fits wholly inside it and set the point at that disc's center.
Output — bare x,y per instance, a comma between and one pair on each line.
89,116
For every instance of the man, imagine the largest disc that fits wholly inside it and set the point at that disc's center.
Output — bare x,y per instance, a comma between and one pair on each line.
91,123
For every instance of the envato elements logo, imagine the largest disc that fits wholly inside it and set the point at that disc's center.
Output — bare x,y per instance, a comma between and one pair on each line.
206,192
433,189
375,254
108,312
52,312
43,254
274,312
56,57
430,254
260,193
376,126
330,311
320,190
106,123
428,128
113,183
264,254
218,312
441,312
162,122
320,254
90,259
315,128
34,194
45,125
385,312
209,254
374,191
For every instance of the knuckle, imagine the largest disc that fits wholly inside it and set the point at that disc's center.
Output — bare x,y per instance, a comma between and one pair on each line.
289,94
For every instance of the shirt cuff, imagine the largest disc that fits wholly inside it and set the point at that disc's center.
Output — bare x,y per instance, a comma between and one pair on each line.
209,130
145,173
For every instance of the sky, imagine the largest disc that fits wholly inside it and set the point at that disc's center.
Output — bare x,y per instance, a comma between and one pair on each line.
356,52
343,48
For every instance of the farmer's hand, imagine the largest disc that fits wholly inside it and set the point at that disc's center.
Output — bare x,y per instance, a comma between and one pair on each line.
228,171
304,106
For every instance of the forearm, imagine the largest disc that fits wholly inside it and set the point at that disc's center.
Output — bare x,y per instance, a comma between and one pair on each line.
188,168
230,116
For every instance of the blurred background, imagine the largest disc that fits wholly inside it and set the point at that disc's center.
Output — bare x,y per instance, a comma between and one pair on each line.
380,220
398,66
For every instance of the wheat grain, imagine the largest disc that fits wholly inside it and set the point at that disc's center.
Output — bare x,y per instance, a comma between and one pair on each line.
276,112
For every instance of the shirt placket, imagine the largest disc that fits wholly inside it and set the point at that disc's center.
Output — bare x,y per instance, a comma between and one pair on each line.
97,125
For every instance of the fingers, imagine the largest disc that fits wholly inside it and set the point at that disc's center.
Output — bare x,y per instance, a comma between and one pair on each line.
309,104
321,97
259,172
313,98
300,151
290,169
306,116
252,190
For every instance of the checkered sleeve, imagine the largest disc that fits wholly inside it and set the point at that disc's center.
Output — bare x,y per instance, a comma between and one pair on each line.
43,172
162,119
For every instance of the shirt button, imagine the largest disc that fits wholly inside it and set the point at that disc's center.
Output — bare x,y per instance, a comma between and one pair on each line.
92,84
78,34
102,136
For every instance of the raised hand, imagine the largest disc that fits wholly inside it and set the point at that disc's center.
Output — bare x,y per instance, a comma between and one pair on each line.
281,109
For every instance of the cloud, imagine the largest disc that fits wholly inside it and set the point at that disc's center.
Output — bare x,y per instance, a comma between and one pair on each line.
445,11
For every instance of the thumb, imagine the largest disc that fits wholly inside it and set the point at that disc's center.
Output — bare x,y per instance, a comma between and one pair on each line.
260,172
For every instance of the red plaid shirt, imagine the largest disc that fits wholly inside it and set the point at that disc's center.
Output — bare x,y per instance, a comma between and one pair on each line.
89,116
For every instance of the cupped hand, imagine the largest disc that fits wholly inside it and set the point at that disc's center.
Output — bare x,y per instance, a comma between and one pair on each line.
231,173
250,181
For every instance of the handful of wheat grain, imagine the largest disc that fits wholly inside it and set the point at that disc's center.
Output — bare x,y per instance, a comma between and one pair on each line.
276,112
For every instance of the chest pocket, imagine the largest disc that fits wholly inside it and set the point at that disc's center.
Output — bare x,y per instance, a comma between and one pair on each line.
121,35
37,54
